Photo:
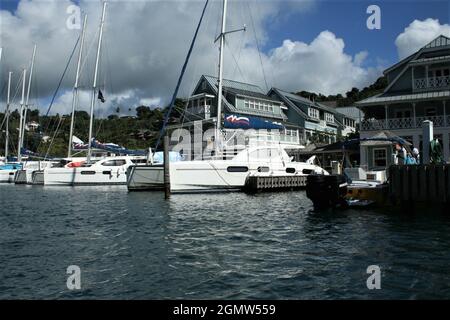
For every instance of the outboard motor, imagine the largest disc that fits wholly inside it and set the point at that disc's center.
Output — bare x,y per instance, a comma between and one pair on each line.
326,191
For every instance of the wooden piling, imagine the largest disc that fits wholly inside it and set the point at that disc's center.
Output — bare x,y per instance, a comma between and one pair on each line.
420,183
166,168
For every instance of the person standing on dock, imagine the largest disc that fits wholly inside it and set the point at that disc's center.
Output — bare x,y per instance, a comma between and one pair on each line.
400,154
416,155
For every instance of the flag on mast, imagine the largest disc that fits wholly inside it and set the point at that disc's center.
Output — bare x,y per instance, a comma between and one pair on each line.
100,96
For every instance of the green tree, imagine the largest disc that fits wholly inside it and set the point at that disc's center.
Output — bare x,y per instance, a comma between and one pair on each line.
143,112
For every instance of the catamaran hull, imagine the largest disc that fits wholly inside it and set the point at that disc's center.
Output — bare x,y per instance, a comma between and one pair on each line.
208,176
7,176
23,176
38,178
83,176
145,177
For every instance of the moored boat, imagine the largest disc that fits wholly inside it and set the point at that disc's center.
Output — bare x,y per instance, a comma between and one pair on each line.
107,171
220,175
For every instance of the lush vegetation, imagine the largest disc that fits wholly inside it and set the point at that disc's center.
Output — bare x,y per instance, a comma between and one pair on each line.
52,136
351,96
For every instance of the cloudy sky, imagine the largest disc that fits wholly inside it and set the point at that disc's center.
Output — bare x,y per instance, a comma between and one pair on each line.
321,46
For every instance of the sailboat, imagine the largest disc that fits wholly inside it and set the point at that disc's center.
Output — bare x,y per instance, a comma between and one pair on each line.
7,169
216,174
91,170
24,174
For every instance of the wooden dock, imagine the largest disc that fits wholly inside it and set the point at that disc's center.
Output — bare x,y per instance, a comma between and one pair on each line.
274,183
420,184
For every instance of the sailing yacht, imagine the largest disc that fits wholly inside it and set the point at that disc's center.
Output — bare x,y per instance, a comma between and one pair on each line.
106,171
221,175
8,170
23,174
216,174
110,170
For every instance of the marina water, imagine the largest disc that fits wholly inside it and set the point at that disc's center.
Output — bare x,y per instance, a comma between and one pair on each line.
217,246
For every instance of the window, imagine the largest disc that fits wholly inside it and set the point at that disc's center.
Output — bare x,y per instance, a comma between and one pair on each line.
291,170
87,172
313,113
403,113
265,154
292,133
349,122
379,157
114,163
258,105
237,169
436,73
329,117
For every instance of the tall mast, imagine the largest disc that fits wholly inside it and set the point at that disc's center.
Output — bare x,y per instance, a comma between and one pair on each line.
220,84
28,94
7,116
94,86
22,101
75,88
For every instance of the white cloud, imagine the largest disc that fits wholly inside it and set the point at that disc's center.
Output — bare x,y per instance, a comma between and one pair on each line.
360,57
145,44
418,34
320,66
152,102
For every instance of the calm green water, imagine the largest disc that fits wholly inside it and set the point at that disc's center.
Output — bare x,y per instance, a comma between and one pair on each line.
218,246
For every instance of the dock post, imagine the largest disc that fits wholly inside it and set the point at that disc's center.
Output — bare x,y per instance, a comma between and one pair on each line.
427,127
166,168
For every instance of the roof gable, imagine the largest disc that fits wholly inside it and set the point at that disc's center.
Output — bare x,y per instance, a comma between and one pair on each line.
231,84
440,41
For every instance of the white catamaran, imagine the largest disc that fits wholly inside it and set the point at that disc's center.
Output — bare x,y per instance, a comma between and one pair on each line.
216,174
8,170
91,170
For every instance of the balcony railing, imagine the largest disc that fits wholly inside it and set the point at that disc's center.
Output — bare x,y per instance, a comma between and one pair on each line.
432,83
403,123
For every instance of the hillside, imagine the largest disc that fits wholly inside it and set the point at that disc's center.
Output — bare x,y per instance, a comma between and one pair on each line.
351,96
133,132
